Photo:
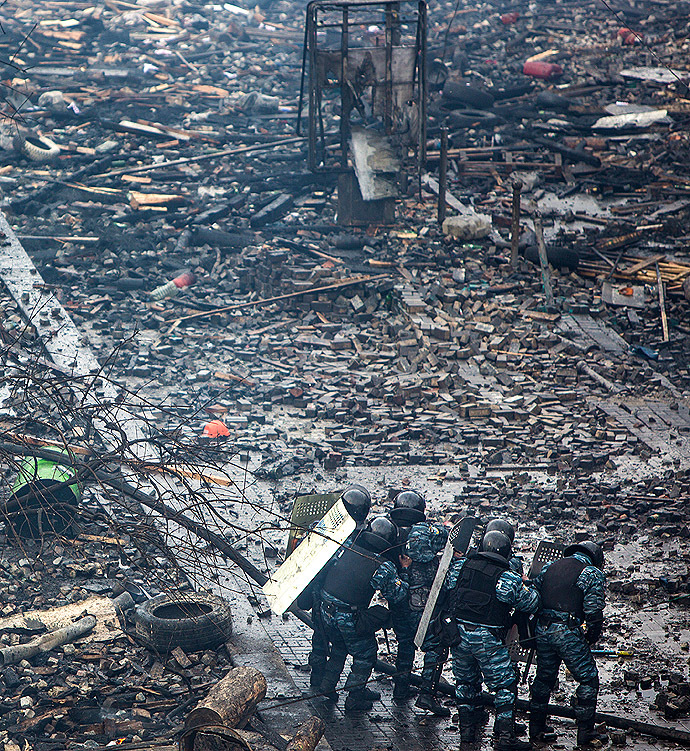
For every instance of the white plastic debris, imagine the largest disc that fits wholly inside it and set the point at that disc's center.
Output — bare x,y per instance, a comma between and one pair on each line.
658,75
467,226
260,103
632,120
52,100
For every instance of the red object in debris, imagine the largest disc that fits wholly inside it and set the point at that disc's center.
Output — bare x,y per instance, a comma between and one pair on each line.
509,18
184,280
539,69
215,428
628,36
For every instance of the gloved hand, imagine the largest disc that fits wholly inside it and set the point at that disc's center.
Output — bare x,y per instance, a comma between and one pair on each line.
595,625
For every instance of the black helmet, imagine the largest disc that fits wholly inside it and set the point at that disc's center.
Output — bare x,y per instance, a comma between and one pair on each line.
357,502
408,508
379,535
590,549
501,525
498,543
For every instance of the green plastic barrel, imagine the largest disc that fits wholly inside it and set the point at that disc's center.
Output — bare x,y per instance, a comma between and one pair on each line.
39,502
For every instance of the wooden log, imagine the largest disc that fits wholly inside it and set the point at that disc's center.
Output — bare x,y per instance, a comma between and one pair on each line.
212,738
258,742
12,655
308,735
231,700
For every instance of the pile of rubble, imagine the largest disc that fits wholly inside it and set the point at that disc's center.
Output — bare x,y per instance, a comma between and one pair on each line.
105,686
156,179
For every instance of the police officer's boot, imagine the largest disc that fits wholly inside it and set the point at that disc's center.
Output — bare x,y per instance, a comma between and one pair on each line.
430,703
328,683
326,690
481,713
586,734
371,693
360,697
591,738
318,670
401,689
539,731
357,701
468,723
505,738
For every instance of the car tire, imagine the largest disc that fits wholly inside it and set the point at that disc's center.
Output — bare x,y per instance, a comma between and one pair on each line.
472,119
37,148
192,621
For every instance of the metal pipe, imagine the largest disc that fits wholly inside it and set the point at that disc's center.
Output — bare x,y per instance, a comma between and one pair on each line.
608,385
662,303
46,642
443,176
543,262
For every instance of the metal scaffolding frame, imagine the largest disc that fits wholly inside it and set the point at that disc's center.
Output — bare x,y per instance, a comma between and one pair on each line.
384,84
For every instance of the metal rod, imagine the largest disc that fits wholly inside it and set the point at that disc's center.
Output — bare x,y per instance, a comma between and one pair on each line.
422,86
443,176
345,97
515,225
388,90
311,37
543,261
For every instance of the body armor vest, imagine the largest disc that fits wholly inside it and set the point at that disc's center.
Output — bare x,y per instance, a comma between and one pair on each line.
475,598
559,590
349,575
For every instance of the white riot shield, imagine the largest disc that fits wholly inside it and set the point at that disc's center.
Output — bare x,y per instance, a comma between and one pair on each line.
300,569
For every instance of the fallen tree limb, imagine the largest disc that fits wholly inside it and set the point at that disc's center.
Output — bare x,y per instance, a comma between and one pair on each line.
64,635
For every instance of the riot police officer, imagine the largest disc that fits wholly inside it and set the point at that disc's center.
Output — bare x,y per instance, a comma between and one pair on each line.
357,572
483,593
357,501
424,541
572,594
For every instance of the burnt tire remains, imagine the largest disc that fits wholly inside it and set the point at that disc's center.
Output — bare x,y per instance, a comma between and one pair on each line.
35,147
193,621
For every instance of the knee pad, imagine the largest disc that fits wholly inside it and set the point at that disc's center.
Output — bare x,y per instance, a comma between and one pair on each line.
590,684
